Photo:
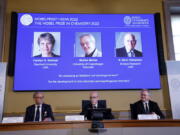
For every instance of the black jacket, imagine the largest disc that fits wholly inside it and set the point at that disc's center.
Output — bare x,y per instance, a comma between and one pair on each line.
46,113
138,108
121,52
86,105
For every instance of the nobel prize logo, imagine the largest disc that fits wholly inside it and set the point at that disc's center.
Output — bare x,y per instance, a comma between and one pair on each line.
26,19
127,20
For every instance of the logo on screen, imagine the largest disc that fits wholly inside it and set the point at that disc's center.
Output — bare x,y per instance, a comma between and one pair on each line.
127,20
175,83
26,19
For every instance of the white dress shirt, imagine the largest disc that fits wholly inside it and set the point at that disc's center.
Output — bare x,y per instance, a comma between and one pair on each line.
144,103
130,53
40,110
95,106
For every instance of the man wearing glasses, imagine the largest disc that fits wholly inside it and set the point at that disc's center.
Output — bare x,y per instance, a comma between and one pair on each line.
39,111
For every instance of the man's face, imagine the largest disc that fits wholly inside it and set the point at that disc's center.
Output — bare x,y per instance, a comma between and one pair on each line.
145,96
94,98
87,44
129,42
39,98
45,46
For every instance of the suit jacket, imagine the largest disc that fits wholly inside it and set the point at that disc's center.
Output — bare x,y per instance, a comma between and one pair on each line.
138,108
88,105
46,113
53,55
121,52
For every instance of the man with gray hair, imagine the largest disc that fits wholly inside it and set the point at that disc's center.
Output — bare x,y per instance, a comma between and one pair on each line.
88,44
145,106
39,111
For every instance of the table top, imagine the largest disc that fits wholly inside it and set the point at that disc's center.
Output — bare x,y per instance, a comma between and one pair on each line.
87,124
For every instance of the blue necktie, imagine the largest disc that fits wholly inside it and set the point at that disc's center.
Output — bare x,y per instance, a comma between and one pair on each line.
132,54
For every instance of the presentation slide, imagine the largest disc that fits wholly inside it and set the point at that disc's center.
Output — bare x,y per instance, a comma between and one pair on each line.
86,52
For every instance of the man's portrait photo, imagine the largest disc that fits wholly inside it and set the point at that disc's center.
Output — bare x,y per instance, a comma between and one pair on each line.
46,44
88,44
128,44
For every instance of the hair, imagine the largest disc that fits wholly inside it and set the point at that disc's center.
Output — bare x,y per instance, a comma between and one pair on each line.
36,93
47,36
134,37
89,35
146,90
94,92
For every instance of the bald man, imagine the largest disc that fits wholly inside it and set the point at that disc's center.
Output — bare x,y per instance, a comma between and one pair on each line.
129,47
146,106
94,103
88,44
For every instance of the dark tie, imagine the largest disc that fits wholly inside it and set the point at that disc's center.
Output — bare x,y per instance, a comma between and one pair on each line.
37,113
94,107
146,108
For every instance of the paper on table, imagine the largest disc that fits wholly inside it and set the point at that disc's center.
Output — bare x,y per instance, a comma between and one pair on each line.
74,118
147,117
13,120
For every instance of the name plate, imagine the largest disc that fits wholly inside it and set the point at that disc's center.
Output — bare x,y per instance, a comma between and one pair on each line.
74,118
13,120
147,117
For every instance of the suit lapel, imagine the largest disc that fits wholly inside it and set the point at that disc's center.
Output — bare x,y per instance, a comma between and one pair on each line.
42,112
150,106
124,50
33,112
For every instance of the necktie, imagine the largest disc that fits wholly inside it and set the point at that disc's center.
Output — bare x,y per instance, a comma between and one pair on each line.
94,107
146,108
132,54
37,113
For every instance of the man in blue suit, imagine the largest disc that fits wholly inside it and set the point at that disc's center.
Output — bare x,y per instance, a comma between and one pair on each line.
145,106
129,47
39,111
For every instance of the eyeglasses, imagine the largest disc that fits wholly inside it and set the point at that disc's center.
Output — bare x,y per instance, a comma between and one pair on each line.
93,97
39,97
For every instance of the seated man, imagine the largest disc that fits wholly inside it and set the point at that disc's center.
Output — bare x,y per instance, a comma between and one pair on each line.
39,111
94,103
145,106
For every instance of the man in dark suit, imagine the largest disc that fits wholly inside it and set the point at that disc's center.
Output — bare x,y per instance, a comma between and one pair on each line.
39,111
145,106
94,104
129,47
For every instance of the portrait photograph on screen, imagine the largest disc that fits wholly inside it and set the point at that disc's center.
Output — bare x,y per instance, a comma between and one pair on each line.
88,44
46,44
128,44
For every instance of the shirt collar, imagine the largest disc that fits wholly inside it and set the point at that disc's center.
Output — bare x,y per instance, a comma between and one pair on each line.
38,105
91,54
146,102
128,51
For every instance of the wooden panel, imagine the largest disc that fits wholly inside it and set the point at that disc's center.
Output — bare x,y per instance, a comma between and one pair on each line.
87,124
